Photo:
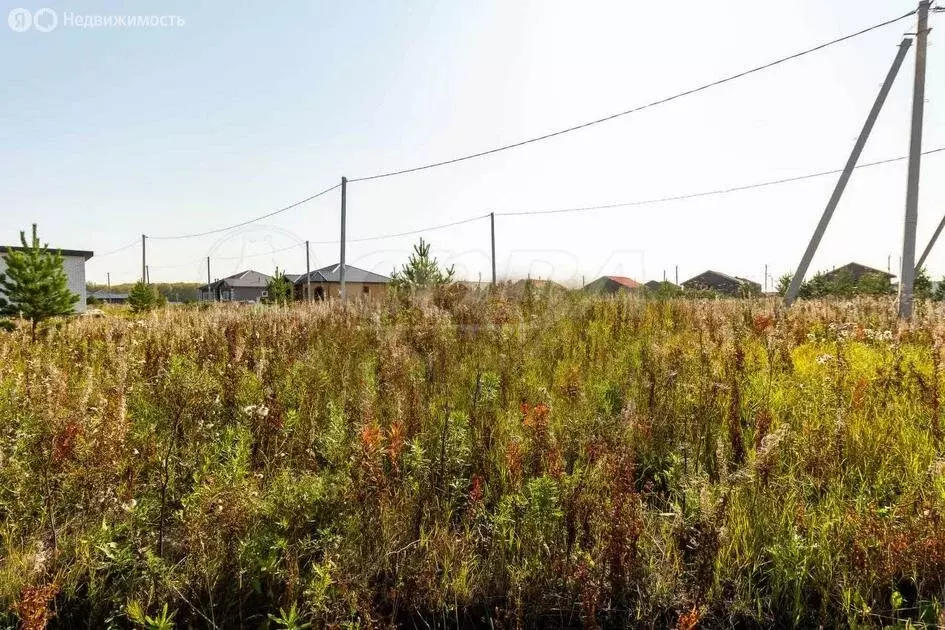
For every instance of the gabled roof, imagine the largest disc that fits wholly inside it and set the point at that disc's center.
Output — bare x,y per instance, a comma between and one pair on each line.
332,273
630,283
857,270
292,277
248,279
72,253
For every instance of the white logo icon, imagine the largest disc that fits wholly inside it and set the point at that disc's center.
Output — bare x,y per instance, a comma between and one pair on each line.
20,20
45,20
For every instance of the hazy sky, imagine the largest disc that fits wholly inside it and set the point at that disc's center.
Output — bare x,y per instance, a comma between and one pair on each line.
109,133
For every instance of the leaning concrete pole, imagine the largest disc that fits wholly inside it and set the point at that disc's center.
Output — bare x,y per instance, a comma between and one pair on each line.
907,273
798,277
928,248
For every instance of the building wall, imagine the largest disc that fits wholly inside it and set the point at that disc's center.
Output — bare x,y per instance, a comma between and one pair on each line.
74,267
356,290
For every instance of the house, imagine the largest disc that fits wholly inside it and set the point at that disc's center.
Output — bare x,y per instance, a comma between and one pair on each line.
246,286
326,282
854,272
73,262
723,284
539,286
661,288
108,297
612,284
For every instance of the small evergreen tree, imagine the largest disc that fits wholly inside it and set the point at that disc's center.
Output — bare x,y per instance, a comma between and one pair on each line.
421,271
35,284
143,297
784,282
874,284
922,284
278,289
939,294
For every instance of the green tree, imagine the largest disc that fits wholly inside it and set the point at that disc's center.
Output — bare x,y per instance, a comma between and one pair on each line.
144,297
816,287
874,284
939,294
842,285
278,289
783,283
922,284
35,284
421,271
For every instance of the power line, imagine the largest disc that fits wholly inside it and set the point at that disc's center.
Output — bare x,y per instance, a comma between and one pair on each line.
639,108
708,193
247,222
259,254
120,249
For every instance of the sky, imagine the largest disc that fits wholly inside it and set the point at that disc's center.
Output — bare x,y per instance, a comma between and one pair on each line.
110,133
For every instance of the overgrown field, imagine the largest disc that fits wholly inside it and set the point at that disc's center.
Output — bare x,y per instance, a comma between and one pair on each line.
483,462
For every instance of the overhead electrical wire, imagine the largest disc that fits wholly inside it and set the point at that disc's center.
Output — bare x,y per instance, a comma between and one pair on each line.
708,193
638,108
248,221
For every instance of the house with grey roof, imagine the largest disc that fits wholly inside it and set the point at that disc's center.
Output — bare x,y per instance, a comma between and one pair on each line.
104,296
73,263
246,286
723,284
326,282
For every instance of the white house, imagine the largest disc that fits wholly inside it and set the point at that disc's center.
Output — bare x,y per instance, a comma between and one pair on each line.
74,263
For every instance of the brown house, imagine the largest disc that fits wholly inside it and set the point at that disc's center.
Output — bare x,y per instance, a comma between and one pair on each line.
326,283
613,284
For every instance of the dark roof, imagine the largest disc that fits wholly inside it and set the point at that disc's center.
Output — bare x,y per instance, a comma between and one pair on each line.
856,271
292,277
718,281
248,279
108,295
332,273
72,253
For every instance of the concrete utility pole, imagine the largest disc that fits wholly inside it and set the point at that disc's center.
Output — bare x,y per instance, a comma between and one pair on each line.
798,276
928,248
144,259
766,278
147,274
108,279
341,266
208,279
907,273
677,275
492,233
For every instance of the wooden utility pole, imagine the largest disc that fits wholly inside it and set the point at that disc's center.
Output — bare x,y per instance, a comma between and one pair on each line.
308,275
341,266
798,276
492,234
907,273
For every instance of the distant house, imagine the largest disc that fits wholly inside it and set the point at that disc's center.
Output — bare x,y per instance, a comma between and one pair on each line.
73,262
246,286
854,272
326,282
109,297
723,284
613,284
519,286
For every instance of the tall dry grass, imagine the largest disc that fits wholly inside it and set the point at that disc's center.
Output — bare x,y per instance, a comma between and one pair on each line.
553,460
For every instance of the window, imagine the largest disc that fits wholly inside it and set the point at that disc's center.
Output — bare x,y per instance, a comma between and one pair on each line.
366,290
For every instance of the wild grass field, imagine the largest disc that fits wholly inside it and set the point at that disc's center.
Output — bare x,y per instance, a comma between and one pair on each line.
477,461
